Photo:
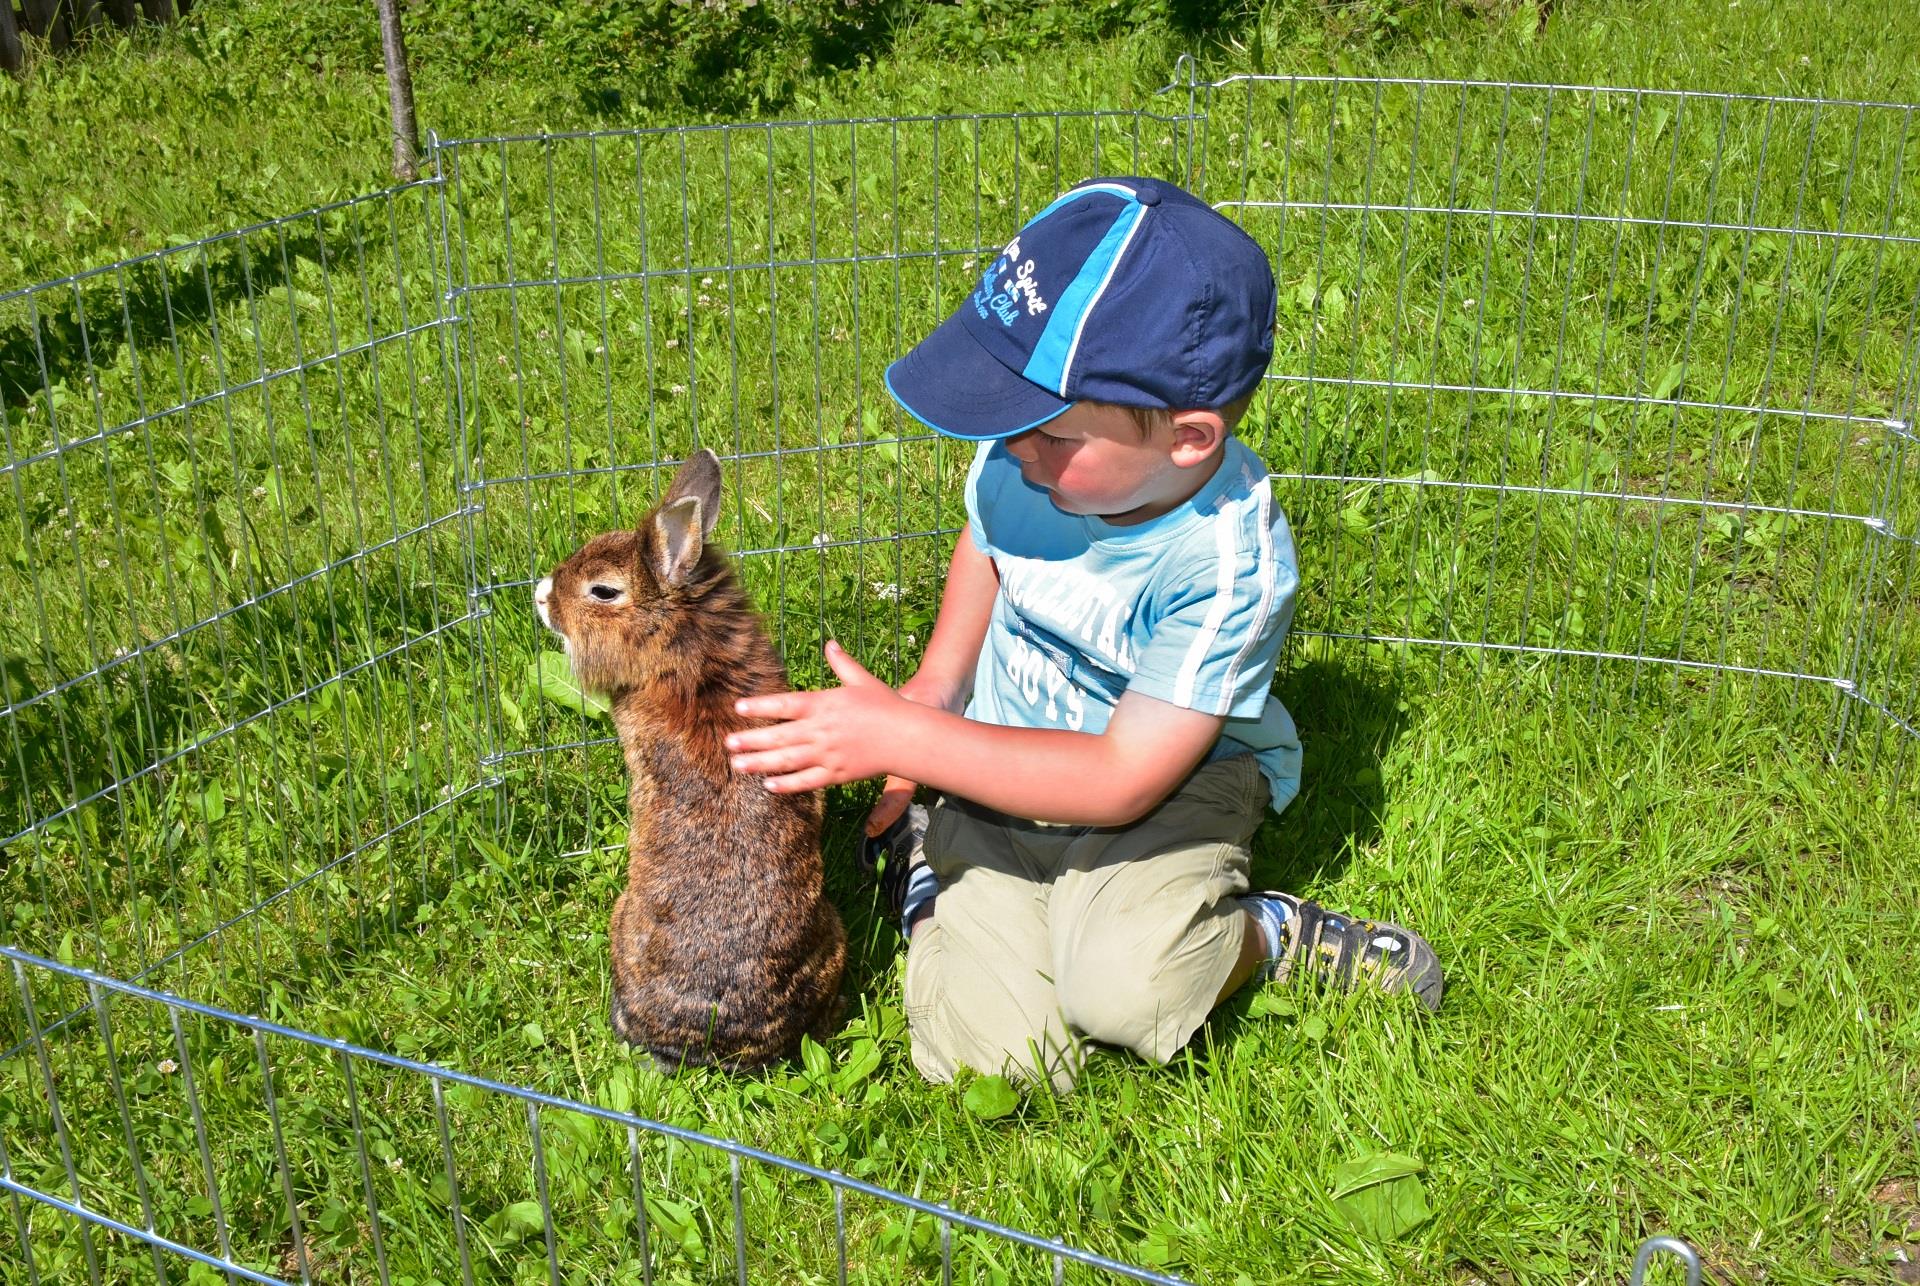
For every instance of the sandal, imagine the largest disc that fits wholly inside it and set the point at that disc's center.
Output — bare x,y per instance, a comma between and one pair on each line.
1344,951
893,855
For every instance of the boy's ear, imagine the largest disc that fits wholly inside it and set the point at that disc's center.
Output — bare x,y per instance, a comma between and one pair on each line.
1197,434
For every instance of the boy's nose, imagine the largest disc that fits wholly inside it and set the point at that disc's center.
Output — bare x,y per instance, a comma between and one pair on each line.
1021,447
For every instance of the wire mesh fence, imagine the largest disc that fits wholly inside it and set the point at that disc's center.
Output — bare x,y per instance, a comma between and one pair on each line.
1619,381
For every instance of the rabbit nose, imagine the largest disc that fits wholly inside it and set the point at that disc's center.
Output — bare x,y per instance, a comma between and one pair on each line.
541,593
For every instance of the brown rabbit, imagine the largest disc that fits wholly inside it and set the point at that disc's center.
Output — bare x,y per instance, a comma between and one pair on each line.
724,949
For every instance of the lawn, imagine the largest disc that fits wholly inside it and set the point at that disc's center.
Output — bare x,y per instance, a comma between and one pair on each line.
277,739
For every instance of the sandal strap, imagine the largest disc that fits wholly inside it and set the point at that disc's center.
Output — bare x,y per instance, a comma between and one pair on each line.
1309,914
897,846
1345,955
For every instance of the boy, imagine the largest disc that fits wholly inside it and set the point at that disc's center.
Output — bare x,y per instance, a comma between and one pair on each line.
1110,626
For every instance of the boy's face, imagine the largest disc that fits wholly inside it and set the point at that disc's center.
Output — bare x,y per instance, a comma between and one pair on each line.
1093,460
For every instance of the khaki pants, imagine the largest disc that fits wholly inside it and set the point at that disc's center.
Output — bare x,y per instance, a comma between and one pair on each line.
1044,936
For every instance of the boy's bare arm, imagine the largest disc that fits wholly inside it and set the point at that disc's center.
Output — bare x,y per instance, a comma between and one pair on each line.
864,728
945,675
966,605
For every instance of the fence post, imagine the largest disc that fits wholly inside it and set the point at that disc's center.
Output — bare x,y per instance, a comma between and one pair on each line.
406,135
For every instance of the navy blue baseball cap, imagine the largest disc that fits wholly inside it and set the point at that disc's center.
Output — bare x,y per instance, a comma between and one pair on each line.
1123,290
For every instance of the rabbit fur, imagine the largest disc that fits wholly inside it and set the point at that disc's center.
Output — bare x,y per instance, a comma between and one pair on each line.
725,949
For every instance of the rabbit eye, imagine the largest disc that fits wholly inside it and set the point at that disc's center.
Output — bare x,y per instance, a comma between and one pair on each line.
605,593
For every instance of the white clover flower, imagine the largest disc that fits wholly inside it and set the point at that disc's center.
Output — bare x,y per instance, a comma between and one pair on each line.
679,389
821,538
168,1067
259,492
673,343
887,590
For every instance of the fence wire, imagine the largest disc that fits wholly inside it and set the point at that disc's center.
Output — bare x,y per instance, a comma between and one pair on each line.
1621,382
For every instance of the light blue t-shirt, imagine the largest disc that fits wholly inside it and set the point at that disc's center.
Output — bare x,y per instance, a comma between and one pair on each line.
1190,608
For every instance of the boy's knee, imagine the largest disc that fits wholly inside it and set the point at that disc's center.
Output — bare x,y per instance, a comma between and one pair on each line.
1111,998
960,1016
1114,992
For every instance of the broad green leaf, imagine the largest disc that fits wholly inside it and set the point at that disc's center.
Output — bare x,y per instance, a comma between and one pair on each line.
814,1057
511,708
1363,1172
1669,382
991,1097
525,1216
553,676
675,1221
1381,1196
1655,124
618,1092
862,1061
1269,1003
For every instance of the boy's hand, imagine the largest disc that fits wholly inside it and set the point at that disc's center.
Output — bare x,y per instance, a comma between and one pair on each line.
824,738
895,795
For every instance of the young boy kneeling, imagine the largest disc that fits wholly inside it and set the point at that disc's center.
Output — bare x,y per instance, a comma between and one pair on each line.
1110,626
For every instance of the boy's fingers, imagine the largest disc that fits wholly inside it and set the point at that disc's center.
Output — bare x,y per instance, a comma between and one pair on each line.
771,737
806,779
780,759
845,668
893,801
776,705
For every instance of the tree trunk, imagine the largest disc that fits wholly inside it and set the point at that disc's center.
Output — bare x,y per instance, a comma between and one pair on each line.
158,10
85,14
12,57
48,20
406,135
123,12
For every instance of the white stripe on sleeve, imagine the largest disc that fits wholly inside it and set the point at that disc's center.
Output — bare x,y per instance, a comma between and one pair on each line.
1223,531
1268,570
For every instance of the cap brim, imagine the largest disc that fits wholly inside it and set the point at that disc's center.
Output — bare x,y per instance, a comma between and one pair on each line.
950,383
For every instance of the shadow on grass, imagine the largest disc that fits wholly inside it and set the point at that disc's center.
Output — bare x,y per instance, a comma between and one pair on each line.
1348,713
76,331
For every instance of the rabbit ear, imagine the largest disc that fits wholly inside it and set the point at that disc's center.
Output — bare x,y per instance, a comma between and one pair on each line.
699,478
679,531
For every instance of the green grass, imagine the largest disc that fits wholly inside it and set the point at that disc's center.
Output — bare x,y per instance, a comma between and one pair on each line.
268,630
